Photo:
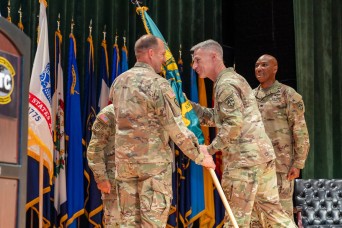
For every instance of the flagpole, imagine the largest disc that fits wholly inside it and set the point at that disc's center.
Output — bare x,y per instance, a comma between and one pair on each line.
41,161
31,221
223,198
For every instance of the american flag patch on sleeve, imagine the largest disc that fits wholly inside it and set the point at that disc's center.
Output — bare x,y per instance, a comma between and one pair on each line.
170,94
104,118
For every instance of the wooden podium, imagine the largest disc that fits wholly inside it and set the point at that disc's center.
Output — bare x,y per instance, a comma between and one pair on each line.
14,83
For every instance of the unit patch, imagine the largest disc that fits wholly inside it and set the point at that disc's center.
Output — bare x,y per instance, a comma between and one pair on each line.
230,101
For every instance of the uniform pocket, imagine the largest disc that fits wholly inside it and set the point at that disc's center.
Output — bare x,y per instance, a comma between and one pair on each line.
235,183
285,186
155,197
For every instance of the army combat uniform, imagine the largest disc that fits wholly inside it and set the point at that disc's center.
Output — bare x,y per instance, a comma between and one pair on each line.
101,160
147,115
249,177
282,110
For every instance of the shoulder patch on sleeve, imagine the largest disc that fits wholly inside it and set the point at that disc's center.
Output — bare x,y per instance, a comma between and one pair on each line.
103,118
231,101
170,94
296,97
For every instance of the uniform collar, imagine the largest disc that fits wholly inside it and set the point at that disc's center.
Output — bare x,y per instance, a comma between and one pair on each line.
144,65
229,69
274,88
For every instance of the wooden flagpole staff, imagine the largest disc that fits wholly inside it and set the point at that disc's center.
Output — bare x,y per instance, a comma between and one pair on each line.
223,198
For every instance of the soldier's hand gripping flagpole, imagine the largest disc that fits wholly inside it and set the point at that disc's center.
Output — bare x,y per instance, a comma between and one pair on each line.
223,198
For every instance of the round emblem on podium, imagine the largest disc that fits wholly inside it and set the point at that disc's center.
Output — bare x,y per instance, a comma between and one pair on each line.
6,80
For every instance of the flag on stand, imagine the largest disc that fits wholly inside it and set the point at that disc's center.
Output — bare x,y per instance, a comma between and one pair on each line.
93,202
115,63
89,107
196,171
104,74
59,184
73,130
189,116
124,58
208,220
40,142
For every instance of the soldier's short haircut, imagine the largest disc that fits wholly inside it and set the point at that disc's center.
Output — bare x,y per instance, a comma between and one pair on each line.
144,43
209,45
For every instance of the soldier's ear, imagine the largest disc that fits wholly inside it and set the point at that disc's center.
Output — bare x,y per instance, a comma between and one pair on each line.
275,69
150,52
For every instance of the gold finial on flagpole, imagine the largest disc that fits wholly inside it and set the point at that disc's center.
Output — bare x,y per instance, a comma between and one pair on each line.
124,38
72,25
116,37
180,51
58,22
104,32
20,13
20,23
90,27
136,2
9,11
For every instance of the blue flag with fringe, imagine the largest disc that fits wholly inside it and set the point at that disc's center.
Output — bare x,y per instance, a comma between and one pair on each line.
104,74
92,201
124,59
73,130
115,63
196,171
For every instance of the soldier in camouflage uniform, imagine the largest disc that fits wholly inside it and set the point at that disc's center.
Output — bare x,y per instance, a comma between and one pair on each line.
249,178
101,160
282,111
147,116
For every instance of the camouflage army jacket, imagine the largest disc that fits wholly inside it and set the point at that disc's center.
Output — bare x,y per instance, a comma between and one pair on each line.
282,110
241,134
100,152
147,115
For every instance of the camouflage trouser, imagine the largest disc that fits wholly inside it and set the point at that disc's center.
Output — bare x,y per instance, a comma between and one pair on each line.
254,186
144,194
110,206
285,189
110,202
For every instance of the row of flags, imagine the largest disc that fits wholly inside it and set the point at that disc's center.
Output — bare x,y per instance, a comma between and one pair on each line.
60,131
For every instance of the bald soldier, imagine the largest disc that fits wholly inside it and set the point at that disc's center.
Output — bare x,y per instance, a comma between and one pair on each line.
282,110
249,177
147,116
101,160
